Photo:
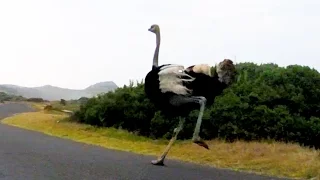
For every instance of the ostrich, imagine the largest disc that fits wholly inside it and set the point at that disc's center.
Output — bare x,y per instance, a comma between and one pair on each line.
177,90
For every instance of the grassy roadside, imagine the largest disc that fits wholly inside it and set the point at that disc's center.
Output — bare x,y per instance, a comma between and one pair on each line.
276,159
55,105
36,106
71,106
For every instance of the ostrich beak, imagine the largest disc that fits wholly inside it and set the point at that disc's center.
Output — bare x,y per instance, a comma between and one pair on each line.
149,29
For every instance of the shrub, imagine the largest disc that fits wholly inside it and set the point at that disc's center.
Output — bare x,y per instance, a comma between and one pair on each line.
63,102
48,107
35,100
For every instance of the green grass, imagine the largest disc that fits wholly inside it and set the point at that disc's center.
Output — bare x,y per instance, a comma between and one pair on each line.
273,158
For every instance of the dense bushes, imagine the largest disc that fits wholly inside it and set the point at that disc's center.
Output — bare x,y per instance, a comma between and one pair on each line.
266,102
36,100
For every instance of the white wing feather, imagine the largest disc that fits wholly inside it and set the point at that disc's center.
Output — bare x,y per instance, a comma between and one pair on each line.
170,77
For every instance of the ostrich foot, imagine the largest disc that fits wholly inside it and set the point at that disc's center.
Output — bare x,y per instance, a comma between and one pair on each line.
200,142
158,162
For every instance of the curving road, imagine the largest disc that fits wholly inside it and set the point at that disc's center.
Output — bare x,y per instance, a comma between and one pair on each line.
28,155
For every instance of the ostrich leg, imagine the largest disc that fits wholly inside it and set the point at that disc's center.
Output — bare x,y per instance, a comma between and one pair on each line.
176,131
179,101
196,138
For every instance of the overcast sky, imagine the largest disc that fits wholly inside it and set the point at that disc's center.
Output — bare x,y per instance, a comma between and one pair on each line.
76,43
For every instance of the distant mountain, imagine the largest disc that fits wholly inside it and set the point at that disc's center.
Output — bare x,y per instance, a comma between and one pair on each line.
101,87
49,92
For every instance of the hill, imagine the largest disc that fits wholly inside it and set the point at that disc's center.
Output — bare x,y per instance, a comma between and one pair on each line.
49,92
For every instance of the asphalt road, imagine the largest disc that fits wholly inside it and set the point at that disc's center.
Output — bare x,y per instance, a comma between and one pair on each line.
28,155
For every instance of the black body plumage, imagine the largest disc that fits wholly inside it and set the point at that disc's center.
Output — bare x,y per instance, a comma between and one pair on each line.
206,86
202,85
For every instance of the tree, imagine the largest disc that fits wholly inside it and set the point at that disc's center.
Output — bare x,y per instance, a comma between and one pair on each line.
63,102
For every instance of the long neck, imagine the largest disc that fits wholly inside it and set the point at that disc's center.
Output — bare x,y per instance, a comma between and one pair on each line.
156,52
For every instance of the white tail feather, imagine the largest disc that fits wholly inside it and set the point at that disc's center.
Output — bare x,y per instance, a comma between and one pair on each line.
202,68
171,79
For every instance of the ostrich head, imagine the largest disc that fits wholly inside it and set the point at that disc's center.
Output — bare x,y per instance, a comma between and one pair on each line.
154,28
226,71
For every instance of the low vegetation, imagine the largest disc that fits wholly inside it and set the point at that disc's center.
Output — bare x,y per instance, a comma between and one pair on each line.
71,105
59,106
